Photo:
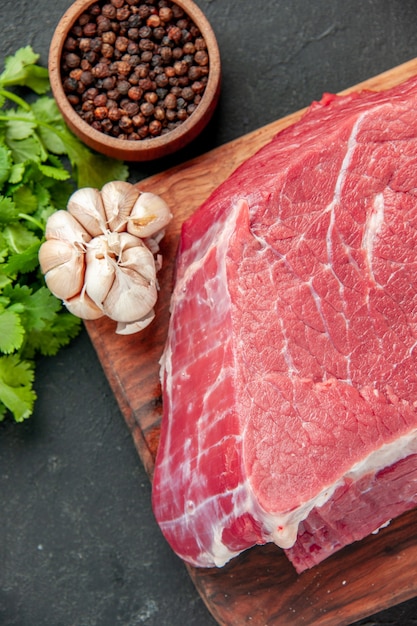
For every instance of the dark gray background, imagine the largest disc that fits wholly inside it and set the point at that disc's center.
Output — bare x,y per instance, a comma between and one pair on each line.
78,542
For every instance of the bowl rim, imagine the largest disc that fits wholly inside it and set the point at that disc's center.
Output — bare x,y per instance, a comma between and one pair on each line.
180,135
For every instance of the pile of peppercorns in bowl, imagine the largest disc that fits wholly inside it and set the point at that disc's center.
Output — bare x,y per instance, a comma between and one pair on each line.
135,79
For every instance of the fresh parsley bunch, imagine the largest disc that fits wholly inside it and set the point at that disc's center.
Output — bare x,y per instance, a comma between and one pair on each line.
41,163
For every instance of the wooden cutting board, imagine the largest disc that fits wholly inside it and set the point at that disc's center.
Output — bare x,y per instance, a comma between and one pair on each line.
260,587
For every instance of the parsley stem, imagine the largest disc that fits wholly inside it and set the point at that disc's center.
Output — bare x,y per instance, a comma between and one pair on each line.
36,120
29,218
12,96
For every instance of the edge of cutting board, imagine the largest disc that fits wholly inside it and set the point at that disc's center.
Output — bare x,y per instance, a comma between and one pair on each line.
260,586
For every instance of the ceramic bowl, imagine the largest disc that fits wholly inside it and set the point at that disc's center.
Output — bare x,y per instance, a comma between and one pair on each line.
140,149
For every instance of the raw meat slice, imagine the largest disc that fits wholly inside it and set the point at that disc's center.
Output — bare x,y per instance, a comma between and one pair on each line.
290,370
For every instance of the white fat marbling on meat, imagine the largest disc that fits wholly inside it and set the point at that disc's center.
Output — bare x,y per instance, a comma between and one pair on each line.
372,229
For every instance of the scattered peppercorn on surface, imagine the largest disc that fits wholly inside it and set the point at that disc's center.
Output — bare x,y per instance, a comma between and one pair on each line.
134,69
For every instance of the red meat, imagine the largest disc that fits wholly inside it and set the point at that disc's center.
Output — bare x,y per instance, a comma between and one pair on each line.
290,370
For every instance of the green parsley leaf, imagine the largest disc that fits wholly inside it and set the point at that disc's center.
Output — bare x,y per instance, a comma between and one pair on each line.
25,200
11,332
25,261
5,164
8,211
16,173
20,69
58,173
19,125
29,149
16,392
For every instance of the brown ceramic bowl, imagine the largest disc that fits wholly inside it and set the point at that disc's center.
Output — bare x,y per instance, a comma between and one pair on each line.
139,149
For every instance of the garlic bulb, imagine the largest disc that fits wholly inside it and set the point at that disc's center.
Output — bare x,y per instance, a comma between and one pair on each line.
101,256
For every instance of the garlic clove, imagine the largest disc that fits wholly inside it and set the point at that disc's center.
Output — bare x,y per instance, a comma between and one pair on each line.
131,296
86,206
63,266
118,200
62,225
100,270
66,281
54,252
82,306
149,215
139,259
124,328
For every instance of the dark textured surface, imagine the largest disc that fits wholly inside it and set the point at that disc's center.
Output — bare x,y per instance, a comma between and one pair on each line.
78,542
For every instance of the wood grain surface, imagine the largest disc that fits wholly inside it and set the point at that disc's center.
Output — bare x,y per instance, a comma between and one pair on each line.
260,587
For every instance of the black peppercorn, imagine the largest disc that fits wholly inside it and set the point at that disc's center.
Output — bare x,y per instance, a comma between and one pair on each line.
77,31
100,113
70,44
109,83
121,43
114,114
83,19
125,123
177,53
158,33
159,113
146,56
123,13
88,117
123,68
147,109
155,128
187,93
135,93
165,14
101,70
103,24
138,120
84,44
107,50
181,68
87,77
90,29
144,11
170,115
170,101
106,125
100,100
201,57
182,115
109,11
72,60
70,84
73,99
134,20
122,86
198,87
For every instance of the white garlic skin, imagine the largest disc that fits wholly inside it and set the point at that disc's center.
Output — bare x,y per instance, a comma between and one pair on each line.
120,276
61,225
61,256
118,200
149,215
82,306
86,206
101,255
129,328
64,268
